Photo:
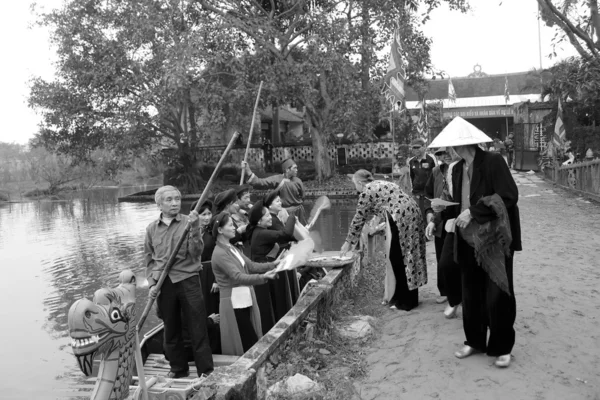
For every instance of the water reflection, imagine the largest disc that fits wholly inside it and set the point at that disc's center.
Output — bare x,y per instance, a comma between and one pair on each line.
56,252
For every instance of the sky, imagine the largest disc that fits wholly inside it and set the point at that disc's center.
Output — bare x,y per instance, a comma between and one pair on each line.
499,35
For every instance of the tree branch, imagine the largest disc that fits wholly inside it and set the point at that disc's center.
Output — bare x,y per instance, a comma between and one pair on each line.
236,22
260,7
323,90
291,10
573,29
574,41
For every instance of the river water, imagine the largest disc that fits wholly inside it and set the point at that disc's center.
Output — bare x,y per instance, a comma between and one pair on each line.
53,253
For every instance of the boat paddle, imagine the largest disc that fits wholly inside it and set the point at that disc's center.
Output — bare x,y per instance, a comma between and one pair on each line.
250,133
322,203
173,256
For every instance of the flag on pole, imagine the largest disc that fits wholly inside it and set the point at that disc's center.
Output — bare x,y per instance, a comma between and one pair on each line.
393,82
560,134
422,128
451,91
506,94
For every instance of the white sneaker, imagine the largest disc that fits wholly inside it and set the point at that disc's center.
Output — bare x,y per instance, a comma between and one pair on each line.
450,312
503,361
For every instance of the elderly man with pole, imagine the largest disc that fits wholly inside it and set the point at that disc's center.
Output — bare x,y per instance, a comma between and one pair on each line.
173,248
290,187
488,232
181,292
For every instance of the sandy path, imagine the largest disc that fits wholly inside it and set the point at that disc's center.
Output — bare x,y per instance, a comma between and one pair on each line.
557,286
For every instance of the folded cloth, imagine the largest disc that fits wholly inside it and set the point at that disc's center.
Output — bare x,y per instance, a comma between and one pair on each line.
241,297
491,241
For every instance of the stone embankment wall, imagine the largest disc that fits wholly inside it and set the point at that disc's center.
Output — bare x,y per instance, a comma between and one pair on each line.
239,380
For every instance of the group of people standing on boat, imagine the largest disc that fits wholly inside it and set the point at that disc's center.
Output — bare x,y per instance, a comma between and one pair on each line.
223,292
226,270
468,205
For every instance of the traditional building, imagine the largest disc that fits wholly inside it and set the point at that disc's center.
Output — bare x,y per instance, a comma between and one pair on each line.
481,98
494,104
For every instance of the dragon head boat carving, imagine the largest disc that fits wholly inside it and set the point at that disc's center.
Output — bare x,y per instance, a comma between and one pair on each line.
105,326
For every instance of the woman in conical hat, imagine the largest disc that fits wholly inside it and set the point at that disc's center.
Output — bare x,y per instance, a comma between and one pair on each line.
487,195
406,268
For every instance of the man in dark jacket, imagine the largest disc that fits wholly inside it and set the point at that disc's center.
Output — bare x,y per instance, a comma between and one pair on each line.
485,305
421,166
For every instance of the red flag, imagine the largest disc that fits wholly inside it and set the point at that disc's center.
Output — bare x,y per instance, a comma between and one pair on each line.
506,94
393,82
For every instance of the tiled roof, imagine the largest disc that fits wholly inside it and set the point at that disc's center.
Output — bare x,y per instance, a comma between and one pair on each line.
523,83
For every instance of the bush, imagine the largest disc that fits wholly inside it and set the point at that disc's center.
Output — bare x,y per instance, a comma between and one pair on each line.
4,196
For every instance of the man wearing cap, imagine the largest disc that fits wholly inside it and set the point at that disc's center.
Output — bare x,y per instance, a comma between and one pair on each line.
181,292
290,187
421,165
488,232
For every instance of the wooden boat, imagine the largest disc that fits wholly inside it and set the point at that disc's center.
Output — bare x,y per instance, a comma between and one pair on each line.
106,326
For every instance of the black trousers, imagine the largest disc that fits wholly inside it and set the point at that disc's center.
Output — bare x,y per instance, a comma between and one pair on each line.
439,245
486,306
184,300
403,298
450,272
245,327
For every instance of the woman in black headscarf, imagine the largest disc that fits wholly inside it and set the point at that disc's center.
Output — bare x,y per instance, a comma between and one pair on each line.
279,217
210,289
276,295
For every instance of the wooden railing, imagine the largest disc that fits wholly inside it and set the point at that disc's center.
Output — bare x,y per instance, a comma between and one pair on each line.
583,177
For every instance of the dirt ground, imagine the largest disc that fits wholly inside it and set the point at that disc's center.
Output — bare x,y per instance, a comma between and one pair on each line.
557,287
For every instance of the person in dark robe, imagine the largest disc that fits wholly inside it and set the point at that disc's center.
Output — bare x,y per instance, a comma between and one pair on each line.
486,218
448,272
236,275
406,265
244,204
279,216
210,289
288,185
262,242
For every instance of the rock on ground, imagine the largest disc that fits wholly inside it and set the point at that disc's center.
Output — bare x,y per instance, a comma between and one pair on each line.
358,327
296,387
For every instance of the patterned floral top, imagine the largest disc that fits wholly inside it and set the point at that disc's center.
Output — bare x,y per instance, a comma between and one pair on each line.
382,197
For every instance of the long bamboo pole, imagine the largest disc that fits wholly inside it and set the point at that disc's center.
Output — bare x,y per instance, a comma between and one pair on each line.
173,256
250,133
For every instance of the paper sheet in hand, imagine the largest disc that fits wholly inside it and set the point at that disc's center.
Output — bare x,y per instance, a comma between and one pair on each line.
297,255
440,202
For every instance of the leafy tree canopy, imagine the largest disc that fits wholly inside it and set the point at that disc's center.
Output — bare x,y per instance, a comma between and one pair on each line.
136,74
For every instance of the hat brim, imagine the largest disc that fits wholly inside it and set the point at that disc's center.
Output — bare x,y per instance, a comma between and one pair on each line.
459,133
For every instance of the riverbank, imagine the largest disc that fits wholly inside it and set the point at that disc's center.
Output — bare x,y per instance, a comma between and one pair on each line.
23,191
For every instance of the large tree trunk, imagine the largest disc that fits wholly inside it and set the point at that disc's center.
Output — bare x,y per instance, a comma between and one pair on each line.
366,47
322,162
276,139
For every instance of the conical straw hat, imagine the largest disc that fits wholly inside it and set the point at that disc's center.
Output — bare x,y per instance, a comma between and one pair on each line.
459,133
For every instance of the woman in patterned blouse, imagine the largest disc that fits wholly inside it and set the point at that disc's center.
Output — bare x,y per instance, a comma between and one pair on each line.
405,237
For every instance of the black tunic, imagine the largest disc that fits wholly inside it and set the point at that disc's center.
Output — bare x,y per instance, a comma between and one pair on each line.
211,300
275,297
